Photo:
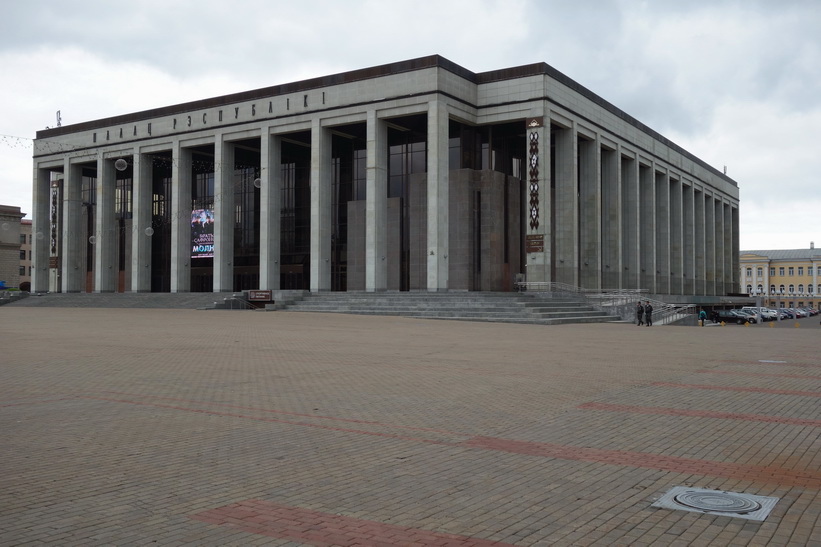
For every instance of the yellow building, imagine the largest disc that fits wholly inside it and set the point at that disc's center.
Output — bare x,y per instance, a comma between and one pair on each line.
784,278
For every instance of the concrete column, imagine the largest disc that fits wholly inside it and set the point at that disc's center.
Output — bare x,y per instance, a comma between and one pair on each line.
647,227
223,215
180,218
662,270
699,233
536,202
270,207
40,230
320,207
731,252
71,259
589,187
719,245
376,204
566,207
611,223
689,240
143,230
105,230
631,245
709,245
676,238
438,204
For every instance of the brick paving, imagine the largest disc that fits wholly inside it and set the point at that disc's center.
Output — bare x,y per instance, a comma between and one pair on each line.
178,427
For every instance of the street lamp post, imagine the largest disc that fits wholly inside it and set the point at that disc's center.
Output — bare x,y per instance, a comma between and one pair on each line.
758,315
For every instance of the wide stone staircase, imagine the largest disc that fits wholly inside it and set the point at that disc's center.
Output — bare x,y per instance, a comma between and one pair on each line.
532,308
191,300
501,307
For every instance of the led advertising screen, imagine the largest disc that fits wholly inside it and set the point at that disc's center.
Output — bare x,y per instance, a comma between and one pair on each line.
202,233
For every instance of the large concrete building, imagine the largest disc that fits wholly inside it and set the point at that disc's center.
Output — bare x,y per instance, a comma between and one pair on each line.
417,175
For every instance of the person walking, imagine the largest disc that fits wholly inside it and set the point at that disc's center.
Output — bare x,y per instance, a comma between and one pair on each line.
648,314
639,314
702,317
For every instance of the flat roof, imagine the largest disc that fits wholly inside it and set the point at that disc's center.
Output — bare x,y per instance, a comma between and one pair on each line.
421,63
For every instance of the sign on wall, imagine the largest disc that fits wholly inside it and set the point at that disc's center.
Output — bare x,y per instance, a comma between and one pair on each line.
202,233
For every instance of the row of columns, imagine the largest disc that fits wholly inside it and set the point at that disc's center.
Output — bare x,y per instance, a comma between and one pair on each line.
615,219
105,245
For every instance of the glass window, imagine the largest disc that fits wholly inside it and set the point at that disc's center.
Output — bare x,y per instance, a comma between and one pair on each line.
749,272
800,270
781,270
749,289
22,270
22,255
800,289
772,289
792,289
809,270
760,272
760,288
772,271
22,239
781,288
809,289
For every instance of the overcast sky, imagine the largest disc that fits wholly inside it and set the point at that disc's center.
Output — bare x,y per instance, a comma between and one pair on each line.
737,83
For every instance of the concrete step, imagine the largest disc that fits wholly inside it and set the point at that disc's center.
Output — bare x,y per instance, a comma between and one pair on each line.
473,306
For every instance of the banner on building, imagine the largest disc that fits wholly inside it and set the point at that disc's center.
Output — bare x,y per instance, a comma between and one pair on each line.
202,233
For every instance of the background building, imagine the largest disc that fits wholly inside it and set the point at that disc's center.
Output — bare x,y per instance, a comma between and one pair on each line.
785,278
25,254
417,175
10,252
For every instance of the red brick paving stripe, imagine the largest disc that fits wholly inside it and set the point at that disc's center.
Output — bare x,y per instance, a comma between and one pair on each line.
272,420
285,413
699,414
775,475
762,474
320,529
785,364
745,389
758,374
40,402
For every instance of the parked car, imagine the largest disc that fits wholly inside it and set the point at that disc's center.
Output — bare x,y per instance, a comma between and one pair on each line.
766,313
733,316
751,316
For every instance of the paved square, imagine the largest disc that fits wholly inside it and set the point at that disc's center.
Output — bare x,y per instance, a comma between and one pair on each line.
177,427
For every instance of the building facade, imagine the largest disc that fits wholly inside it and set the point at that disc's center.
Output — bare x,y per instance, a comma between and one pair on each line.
10,249
26,241
417,175
787,278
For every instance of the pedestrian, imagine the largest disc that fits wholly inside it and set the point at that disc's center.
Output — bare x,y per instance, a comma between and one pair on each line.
639,314
648,314
702,317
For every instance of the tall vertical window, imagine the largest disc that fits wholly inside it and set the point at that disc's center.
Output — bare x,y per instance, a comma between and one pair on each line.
760,272
800,270
792,270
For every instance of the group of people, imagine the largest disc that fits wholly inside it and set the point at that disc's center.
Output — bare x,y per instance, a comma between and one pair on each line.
644,313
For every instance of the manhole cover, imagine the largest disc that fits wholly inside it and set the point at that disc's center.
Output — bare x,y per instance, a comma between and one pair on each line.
717,502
